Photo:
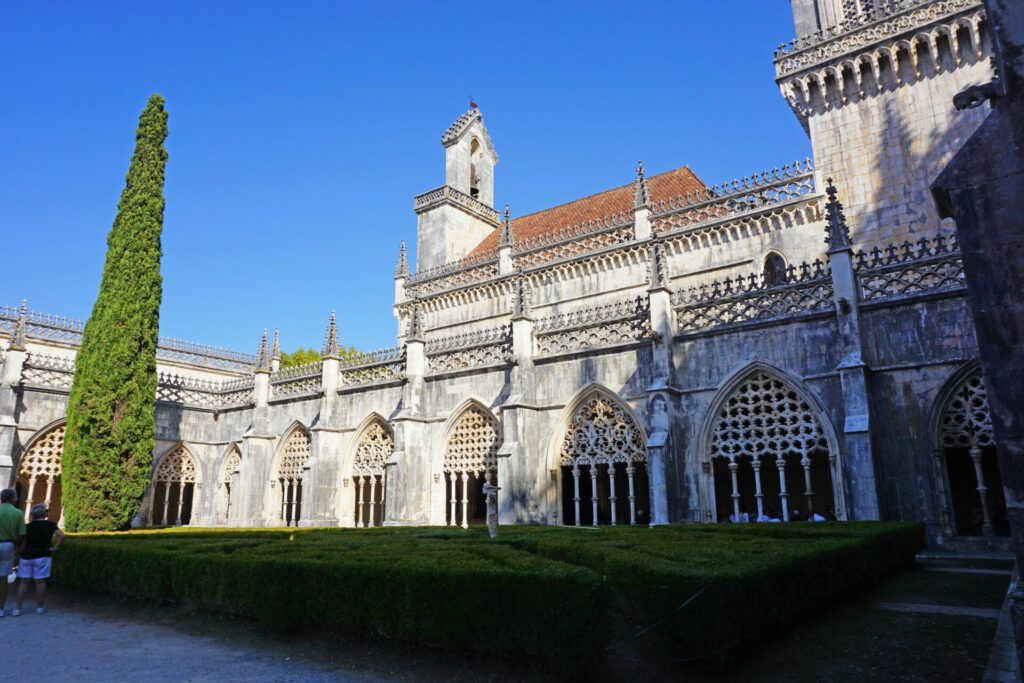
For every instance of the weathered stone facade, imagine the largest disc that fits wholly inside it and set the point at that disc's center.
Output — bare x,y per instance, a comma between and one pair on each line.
661,352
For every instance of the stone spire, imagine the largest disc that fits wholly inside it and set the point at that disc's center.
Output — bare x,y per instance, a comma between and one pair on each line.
657,269
641,195
838,234
331,348
18,342
415,333
507,239
275,346
263,356
520,298
402,266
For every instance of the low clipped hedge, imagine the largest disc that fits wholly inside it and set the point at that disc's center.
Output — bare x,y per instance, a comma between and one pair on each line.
556,594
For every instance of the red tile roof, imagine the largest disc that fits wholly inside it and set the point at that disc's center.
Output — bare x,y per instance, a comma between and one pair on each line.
660,187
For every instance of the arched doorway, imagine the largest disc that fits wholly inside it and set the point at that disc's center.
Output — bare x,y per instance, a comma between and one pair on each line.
375,445
470,455
291,468
770,459
969,456
229,481
39,471
174,488
603,460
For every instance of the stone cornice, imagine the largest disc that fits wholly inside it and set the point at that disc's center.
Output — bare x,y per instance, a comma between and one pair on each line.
447,195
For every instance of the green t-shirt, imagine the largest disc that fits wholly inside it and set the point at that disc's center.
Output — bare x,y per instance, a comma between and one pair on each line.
12,523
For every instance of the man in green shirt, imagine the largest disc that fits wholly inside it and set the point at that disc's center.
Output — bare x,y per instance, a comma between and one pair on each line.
12,528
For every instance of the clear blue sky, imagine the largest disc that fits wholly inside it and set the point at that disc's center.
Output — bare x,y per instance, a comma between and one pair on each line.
300,132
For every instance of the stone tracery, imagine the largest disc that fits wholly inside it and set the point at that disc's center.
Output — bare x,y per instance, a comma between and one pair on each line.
290,472
232,463
376,444
174,488
39,471
471,453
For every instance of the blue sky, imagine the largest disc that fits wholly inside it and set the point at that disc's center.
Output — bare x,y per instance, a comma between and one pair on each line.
301,131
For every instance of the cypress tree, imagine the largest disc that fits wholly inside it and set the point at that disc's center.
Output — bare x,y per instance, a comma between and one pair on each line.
110,429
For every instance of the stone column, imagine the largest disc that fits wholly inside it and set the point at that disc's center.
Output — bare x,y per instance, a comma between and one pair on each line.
322,480
250,505
10,378
641,205
401,278
506,243
660,410
858,452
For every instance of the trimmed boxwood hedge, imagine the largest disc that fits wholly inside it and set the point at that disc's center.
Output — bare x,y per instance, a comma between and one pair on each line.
557,594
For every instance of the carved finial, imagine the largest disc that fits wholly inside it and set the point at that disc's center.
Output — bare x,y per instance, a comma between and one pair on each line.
331,348
263,357
18,343
520,298
402,266
641,196
657,270
415,331
838,234
507,239
275,346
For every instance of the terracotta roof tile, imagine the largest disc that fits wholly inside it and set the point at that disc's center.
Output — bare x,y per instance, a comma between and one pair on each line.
661,187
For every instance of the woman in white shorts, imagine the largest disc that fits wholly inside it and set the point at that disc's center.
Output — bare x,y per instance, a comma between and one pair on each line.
37,550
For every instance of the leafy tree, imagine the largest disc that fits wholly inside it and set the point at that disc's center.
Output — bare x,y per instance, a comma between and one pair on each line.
301,356
111,430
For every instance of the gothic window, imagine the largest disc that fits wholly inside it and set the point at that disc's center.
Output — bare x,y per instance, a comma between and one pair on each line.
474,179
39,472
290,471
769,455
603,460
471,454
228,479
968,448
774,272
174,488
375,446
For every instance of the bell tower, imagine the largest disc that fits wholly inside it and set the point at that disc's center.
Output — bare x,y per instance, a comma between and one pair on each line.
457,216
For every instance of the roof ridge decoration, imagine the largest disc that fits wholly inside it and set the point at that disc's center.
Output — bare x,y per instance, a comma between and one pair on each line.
507,238
263,356
402,265
331,348
641,193
838,233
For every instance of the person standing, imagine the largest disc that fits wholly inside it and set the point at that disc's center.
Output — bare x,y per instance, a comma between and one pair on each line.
37,549
12,529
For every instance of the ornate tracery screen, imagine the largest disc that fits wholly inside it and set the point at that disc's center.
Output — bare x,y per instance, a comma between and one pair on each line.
174,488
765,422
290,471
376,444
604,435
470,455
227,478
39,472
968,443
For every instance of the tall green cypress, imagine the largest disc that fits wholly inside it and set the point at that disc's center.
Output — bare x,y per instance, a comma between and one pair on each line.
111,429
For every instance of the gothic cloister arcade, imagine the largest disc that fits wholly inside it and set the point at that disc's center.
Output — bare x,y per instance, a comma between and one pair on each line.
470,455
770,456
227,483
374,446
292,463
174,488
603,463
969,480
38,479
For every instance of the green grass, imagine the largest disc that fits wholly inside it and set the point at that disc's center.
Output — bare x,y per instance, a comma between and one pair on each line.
559,595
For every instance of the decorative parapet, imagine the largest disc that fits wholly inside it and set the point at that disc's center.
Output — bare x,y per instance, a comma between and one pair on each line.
575,240
478,349
622,322
449,195
746,195
69,331
373,367
911,269
192,391
42,370
819,71
482,266
751,299
298,380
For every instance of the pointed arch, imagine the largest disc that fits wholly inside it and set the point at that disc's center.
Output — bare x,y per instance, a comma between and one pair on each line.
372,446
227,480
768,450
290,464
38,473
599,450
472,436
969,485
176,475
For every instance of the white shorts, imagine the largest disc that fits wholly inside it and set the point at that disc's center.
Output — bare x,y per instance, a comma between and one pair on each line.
6,559
39,568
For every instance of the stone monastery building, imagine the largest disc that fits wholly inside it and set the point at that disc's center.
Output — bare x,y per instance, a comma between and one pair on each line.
779,346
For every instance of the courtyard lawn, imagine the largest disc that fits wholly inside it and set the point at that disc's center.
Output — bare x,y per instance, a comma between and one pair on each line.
563,596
